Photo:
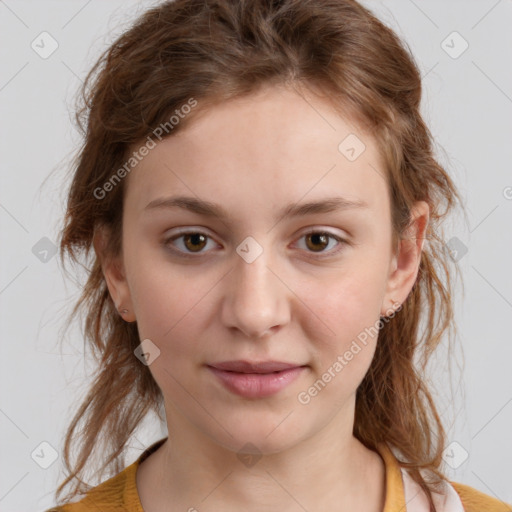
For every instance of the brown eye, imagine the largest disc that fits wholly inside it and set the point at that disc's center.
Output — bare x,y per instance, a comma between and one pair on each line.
317,241
188,243
194,241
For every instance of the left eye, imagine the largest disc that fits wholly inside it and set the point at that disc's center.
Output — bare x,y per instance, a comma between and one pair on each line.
195,241
319,240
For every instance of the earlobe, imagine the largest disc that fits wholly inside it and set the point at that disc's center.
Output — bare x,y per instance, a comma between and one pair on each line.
114,275
406,262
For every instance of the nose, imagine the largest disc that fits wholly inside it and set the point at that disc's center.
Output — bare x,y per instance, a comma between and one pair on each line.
256,300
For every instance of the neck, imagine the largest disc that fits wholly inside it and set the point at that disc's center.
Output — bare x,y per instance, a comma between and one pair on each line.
331,470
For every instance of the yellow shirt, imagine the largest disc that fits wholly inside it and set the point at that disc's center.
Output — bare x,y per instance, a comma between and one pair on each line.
119,493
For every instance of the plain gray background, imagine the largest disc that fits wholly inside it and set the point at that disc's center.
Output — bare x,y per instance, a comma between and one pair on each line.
468,105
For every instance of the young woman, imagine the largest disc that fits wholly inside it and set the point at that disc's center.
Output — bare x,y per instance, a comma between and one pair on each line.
265,210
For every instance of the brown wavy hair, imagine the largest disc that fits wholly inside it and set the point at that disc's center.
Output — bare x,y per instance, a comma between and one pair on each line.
213,51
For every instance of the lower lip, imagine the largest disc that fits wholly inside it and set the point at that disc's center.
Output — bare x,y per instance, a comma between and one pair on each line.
256,385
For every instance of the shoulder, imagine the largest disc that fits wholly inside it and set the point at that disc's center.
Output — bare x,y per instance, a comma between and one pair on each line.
119,490
107,496
70,507
476,501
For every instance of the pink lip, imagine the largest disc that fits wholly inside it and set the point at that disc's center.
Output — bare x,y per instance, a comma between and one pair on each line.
255,380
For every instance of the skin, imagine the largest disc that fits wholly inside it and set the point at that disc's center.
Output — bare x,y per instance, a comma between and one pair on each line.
253,156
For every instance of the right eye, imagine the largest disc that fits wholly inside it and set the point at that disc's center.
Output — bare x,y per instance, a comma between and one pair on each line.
191,242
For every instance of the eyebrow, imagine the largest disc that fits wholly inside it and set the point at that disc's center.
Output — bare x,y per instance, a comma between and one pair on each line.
209,209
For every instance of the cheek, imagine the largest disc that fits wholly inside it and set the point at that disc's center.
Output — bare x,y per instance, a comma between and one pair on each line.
347,304
161,294
350,306
167,305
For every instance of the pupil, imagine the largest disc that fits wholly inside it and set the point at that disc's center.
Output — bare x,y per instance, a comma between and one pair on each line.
196,239
323,238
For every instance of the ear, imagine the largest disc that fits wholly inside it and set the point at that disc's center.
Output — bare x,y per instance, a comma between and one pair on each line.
115,277
405,262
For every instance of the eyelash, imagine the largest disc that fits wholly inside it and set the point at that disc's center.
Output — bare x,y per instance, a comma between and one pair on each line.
321,254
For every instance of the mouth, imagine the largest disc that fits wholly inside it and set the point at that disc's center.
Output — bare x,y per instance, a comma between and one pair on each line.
256,379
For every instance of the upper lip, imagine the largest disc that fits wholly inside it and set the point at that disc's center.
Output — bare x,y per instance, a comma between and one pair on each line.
254,367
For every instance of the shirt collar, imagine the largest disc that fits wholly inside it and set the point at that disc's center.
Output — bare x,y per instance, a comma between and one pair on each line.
395,497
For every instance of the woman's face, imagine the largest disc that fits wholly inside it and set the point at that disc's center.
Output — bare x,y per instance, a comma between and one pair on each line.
253,285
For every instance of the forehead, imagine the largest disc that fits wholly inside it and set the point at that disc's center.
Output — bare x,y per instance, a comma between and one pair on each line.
277,145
